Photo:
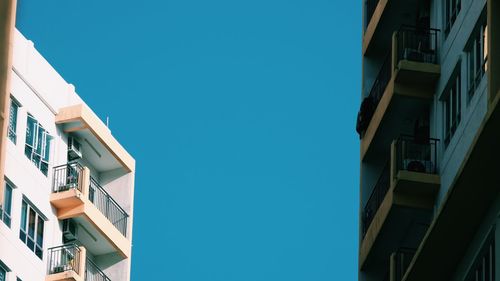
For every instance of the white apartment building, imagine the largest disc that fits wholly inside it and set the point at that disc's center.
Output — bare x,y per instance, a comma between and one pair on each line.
67,206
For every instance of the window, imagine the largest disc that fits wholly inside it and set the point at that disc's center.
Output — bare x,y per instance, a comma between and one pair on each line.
452,106
3,273
6,208
37,144
451,10
11,133
477,56
31,232
483,268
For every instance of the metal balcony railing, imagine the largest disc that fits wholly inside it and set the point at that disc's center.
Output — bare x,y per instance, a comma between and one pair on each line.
383,78
67,176
70,176
67,258
63,258
417,44
376,198
417,154
108,206
402,261
93,273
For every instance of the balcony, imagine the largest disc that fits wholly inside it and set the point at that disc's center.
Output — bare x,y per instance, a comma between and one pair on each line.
70,263
415,170
401,91
416,57
382,17
77,195
400,205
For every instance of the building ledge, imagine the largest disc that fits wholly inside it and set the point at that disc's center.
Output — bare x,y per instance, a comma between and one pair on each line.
80,118
64,276
413,73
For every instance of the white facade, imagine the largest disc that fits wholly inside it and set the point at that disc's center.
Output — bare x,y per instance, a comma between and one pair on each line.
42,92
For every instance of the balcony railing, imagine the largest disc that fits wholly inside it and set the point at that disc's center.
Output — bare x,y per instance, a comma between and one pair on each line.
417,44
93,273
402,261
67,176
376,198
68,258
371,102
63,258
383,78
70,176
108,206
417,154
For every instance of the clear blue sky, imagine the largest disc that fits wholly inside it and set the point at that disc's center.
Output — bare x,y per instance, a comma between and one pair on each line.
241,116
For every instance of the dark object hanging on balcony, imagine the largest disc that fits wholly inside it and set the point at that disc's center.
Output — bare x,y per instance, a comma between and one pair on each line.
365,114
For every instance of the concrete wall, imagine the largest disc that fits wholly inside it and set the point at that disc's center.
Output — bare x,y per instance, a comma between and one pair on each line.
491,222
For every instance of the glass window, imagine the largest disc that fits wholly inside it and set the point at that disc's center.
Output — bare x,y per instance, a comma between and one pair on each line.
11,133
451,10
477,55
6,208
3,273
37,147
33,222
452,106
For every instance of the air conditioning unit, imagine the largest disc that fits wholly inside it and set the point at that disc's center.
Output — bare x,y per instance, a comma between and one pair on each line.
74,149
70,231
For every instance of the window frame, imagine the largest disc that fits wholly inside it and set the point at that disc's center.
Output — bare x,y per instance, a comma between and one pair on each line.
3,271
452,105
33,241
6,215
477,55
451,12
37,144
13,118
486,254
